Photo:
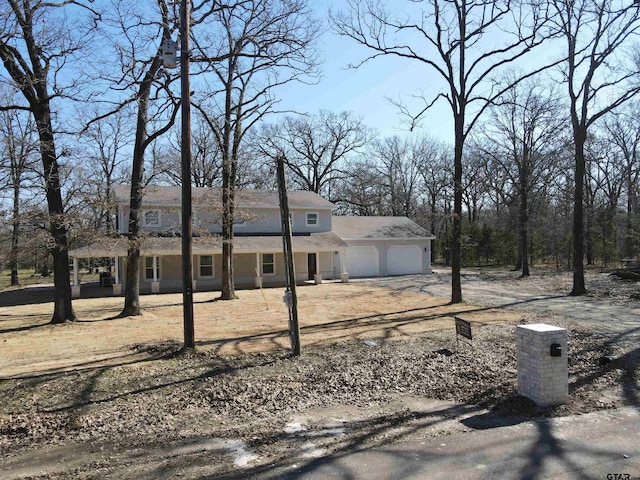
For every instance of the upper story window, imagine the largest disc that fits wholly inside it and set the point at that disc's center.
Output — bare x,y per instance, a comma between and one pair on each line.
312,219
151,218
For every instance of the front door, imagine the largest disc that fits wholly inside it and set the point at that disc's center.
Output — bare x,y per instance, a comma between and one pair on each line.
311,265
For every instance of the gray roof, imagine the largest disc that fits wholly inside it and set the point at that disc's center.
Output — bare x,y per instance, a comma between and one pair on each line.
377,228
117,247
172,196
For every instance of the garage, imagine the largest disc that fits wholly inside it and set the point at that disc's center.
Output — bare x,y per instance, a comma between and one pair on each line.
404,260
362,261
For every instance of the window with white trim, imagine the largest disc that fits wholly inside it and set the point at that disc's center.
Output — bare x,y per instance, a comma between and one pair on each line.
268,264
311,219
148,268
206,265
151,218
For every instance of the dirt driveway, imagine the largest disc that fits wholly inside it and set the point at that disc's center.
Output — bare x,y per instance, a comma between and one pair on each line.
257,321
603,310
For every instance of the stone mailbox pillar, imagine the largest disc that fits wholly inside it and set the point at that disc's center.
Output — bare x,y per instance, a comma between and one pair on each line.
543,371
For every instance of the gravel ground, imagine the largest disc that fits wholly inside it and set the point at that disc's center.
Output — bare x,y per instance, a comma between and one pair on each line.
600,283
354,394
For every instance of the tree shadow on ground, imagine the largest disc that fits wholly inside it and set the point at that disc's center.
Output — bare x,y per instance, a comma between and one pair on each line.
529,455
534,456
382,326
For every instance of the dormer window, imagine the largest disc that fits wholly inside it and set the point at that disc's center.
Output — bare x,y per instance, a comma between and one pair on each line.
151,218
312,219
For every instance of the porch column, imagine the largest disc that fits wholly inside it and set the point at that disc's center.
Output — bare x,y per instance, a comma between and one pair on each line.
258,279
194,280
344,276
155,284
317,278
75,289
333,265
117,287
116,273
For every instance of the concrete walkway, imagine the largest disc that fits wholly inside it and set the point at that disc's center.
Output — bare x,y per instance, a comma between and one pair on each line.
594,446
619,321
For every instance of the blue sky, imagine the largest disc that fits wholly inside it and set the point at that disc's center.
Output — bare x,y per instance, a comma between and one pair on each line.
365,91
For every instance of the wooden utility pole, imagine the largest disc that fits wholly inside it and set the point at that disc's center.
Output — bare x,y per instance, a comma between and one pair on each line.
187,217
291,297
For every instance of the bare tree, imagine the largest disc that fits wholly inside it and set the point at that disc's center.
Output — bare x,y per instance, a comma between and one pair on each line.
601,75
38,43
18,148
136,33
317,147
522,138
466,43
604,184
435,170
361,191
105,142
206,167
397,164
250,48
623,132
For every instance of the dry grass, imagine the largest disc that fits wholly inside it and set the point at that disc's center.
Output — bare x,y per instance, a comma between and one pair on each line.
328,313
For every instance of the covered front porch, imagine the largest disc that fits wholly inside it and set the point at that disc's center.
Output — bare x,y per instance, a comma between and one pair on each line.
257,261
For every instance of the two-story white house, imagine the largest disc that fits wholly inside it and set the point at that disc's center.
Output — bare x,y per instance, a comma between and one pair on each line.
325,246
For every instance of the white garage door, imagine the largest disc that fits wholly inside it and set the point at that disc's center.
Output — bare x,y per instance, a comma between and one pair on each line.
362,261
404,260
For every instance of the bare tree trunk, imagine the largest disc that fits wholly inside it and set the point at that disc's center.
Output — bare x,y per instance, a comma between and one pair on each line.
132,275
456,282
524,246
579,287
15,233
628,240
524,216
228,287
434,211
63,310
228,190
518,265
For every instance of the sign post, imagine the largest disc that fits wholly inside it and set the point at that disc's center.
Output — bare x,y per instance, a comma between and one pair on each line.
463,329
